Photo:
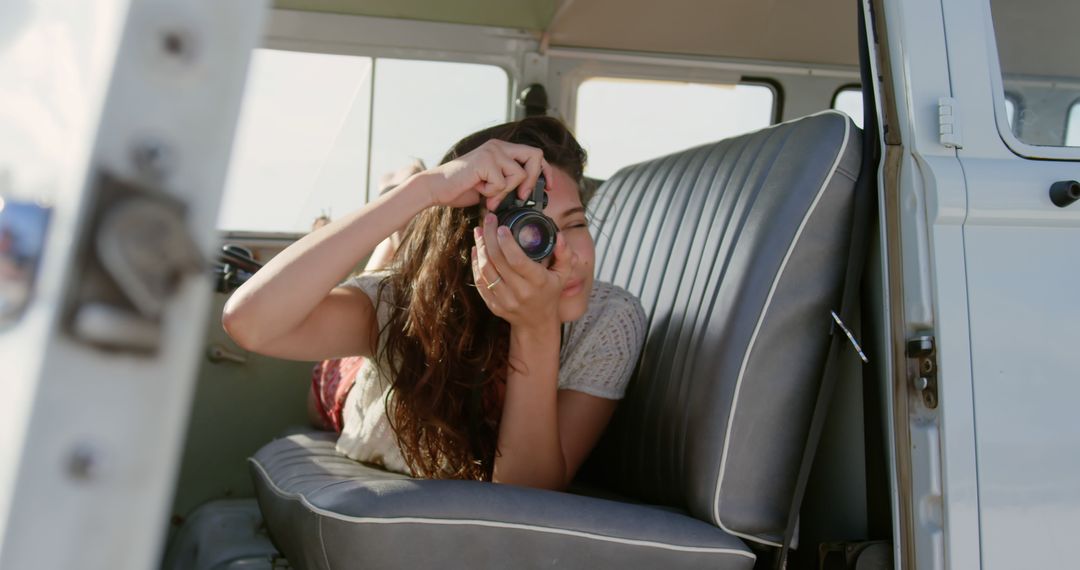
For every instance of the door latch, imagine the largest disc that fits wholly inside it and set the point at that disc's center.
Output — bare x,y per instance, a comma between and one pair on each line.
923,350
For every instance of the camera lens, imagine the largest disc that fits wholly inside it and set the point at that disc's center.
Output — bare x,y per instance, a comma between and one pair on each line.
530,237
535,233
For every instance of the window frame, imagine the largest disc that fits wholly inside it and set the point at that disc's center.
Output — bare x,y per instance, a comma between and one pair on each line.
999,94
1074,106
1018,105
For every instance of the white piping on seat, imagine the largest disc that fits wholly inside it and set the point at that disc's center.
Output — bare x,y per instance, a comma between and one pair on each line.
495,524
757,328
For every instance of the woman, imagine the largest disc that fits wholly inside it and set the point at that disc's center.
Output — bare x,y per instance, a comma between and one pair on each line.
470,371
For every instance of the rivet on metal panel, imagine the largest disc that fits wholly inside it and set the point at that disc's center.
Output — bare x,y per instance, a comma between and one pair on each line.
177,44
152,158
84,462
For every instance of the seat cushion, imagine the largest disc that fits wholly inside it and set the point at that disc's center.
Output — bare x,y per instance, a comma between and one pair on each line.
737,251
326,511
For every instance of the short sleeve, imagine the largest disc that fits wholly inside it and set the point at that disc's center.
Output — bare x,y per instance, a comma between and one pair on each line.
603,350
369,283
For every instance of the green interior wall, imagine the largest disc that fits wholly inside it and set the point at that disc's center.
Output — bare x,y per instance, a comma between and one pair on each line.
238,408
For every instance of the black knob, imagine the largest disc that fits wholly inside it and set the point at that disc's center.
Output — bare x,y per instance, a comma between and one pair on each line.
1064,193
535,100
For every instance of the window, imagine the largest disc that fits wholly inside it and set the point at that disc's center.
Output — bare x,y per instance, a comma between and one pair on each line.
849,100
423,107
623,121
1037,47
317,131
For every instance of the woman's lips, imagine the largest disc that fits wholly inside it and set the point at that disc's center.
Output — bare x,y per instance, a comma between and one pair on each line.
573,287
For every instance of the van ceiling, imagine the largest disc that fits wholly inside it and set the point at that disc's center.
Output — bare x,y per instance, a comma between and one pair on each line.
819,32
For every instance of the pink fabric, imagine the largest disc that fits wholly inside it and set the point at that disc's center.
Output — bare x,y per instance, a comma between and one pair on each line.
330,383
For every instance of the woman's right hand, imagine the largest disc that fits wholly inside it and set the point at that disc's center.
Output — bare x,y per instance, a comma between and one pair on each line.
488,173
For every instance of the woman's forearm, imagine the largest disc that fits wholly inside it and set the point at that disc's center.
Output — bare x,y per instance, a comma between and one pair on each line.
530,451
281,294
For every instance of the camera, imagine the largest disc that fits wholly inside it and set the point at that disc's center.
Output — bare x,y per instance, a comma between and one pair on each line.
534,231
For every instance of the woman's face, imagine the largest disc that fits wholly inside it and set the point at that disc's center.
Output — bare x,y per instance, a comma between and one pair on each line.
565,208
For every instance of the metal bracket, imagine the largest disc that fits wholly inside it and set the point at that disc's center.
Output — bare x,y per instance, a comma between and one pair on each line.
923,350
135,254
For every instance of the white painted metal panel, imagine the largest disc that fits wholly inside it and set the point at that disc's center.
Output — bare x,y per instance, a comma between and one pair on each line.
1025,316
1022,266
55,59
96,433
933,206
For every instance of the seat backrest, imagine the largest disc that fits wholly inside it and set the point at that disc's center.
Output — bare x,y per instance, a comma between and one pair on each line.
737,251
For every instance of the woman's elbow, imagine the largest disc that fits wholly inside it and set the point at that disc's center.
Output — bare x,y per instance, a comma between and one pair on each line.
237,325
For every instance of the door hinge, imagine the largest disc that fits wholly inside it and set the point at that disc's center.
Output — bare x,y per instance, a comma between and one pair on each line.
948,125
923,350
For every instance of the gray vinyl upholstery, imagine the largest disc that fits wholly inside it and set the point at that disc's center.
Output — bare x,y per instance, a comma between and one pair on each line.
326,511
736,250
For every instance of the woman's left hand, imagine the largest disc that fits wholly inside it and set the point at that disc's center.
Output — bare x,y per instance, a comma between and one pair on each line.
514,287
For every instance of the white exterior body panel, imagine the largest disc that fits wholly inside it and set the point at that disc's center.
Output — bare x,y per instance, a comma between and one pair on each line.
1023,265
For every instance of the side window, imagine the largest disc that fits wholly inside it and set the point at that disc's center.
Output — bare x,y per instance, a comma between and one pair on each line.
1040,73
317,131
622,121
849,100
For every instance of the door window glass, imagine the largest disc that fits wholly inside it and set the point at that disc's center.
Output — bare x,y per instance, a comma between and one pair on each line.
623,121
1038,49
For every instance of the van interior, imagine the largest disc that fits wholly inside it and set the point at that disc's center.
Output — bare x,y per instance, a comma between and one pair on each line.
710,134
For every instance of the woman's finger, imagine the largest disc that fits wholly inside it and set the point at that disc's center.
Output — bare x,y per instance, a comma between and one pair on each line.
533,167
487,293
492,250
492,181
486,274
532,160
546,168
516,259
513,173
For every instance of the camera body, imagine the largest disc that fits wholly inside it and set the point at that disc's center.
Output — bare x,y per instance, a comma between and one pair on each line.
532,230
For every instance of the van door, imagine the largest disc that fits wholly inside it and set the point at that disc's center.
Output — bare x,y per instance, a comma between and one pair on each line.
1015,73
116,121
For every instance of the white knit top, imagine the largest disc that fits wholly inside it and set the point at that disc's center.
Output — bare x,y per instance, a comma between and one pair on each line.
597,358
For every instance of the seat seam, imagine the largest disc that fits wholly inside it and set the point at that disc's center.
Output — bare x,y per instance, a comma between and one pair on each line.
322,541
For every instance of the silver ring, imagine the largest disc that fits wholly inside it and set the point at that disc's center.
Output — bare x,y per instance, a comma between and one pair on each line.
494,283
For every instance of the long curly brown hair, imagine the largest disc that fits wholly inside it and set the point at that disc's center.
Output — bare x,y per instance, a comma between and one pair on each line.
446,352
